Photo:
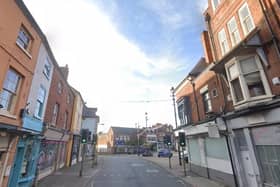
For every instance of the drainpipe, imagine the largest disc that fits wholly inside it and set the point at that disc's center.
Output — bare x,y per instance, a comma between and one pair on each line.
210,33
227,132
274,38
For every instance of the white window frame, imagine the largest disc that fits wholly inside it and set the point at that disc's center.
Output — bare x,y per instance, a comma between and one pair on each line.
246,95
47,68
55,114
39,110
209,101
244,27
233,39
222,37
12,91
25,45
215,6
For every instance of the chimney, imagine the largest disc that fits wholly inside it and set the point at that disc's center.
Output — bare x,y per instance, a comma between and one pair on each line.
65,71
207,47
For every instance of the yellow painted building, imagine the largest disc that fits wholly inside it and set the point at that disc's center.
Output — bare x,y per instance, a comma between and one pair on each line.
74,152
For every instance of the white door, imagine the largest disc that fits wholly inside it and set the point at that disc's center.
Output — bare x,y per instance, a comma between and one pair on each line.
248,169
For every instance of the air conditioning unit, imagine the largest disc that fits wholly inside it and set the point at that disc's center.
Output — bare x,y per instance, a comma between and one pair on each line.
276,80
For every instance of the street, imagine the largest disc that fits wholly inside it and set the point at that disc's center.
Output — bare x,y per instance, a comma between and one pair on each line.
130,171
116,171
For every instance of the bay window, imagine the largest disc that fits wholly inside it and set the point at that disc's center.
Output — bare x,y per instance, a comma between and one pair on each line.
247,79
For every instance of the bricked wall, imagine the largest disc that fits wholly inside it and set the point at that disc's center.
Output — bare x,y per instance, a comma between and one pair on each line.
229,8
61,99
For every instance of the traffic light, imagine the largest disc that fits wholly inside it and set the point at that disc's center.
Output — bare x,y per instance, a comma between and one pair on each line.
94,139
182,139
167,139
84,134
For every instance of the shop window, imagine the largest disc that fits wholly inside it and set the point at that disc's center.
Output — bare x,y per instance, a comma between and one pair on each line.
247,79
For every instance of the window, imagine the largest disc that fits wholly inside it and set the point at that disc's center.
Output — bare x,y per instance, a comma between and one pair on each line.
59,87
223,41
214,92
246,19
181,114
233,31
40,102
68,98
47,68
24,39
10,89
207,102
65,120
215,4
55,113
247,79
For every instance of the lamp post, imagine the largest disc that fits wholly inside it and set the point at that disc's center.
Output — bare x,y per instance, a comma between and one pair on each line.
175,115
195,98
146,118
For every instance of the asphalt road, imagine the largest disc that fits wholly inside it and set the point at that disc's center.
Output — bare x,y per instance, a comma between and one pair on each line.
131,171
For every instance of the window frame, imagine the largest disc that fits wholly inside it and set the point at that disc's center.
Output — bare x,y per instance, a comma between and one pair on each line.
224,48
55,114
39,112
215,6
181,113
234,42
20,41
13,94
244,88
207,100
244,28
46,71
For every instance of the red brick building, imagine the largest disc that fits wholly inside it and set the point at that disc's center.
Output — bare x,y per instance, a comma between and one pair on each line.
241,46
58,123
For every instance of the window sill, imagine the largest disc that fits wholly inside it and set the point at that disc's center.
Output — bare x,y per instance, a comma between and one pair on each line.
24,50
7,114
252,102
37,117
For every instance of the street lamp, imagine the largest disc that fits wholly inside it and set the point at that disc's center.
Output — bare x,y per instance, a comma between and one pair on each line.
195,98
175,115
146,118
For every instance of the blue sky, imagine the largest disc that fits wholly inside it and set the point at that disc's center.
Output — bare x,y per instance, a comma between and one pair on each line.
123,51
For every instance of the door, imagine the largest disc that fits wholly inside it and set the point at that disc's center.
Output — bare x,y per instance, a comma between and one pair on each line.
248,175
248,169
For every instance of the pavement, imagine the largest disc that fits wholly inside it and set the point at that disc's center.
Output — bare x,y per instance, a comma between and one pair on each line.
177,170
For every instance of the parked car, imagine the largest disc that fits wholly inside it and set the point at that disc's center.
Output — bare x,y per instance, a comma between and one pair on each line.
165,153
147,153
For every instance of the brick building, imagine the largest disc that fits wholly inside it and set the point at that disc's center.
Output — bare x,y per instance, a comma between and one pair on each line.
19,47
58,123
201,102
241,46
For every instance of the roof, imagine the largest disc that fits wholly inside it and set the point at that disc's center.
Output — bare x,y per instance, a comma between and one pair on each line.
124,130
196,71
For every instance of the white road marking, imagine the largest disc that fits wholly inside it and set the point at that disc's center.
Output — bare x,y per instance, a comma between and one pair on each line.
180,181
151,170
136,165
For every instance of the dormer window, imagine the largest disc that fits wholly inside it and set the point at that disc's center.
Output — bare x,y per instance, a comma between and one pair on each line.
215,4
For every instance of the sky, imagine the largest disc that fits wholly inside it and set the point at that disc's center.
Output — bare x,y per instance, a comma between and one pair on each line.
124,55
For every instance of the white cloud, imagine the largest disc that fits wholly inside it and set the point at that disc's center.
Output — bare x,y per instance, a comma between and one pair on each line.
101,62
